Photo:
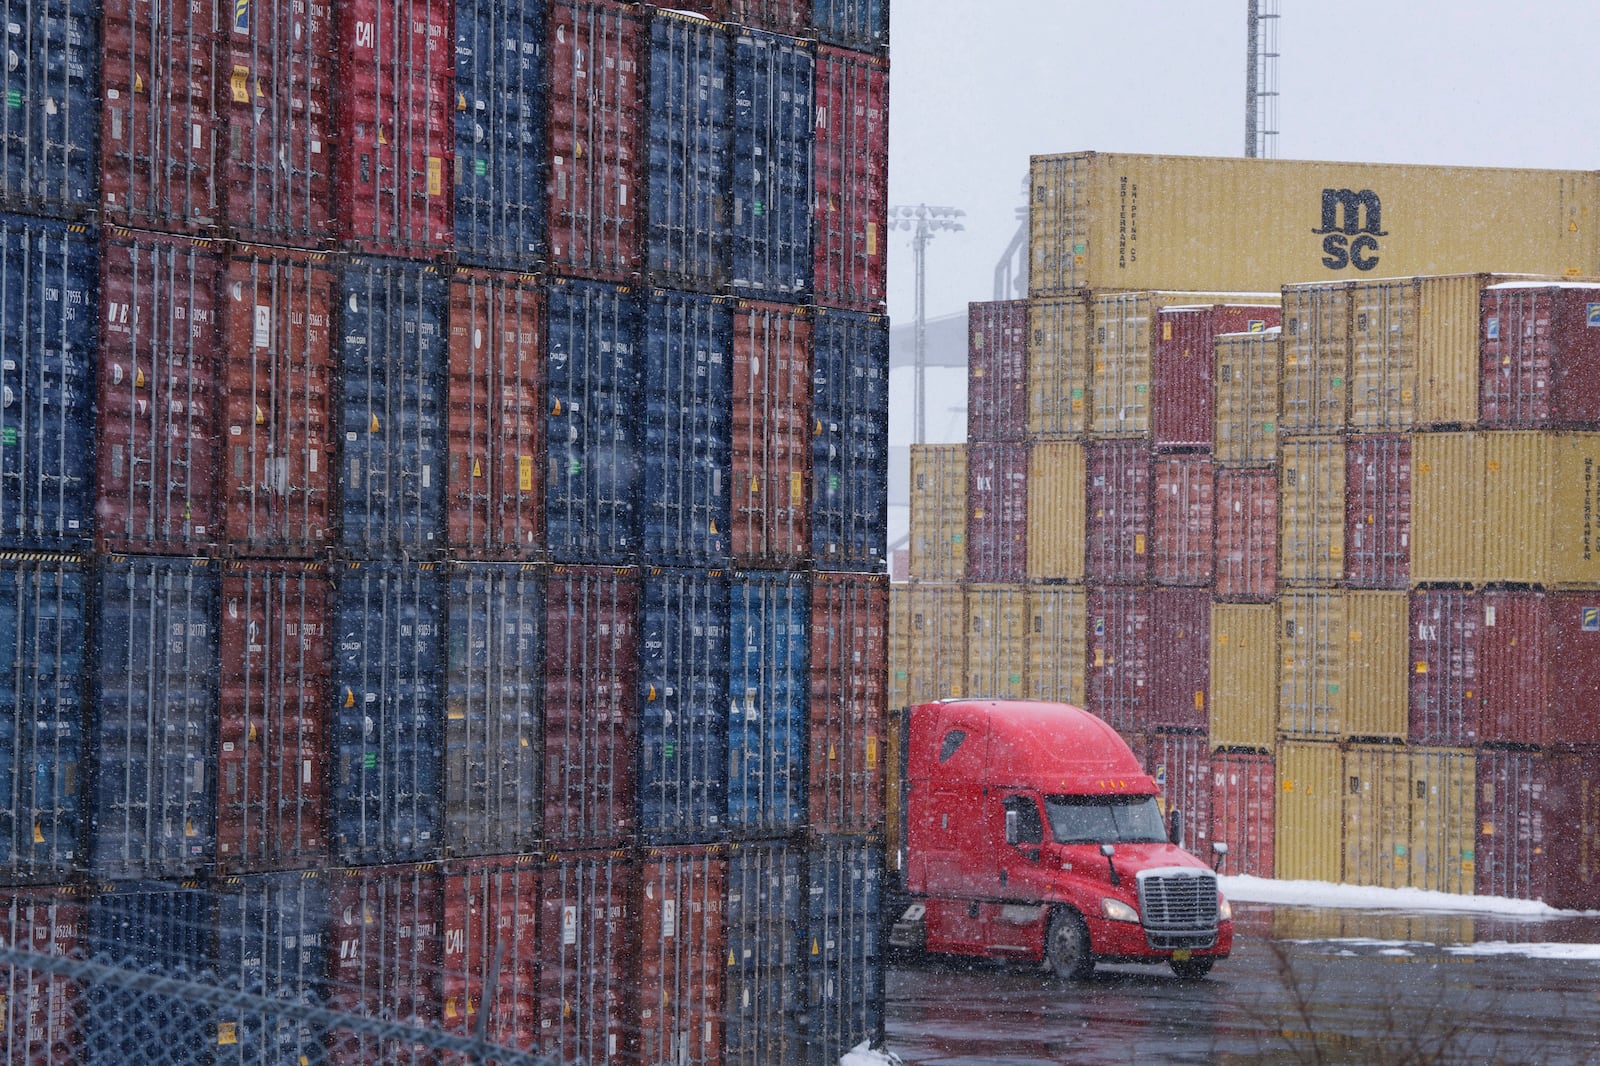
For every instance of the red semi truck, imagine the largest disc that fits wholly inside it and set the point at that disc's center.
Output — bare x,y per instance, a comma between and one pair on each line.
1031,832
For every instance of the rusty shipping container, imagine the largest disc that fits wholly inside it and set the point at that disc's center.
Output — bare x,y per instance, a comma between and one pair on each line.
1443,819
938,548
1056,525
997,371
1120,632
997,641
1103,220
588,919
1572,828
680,966
496,420
1181,765
386,940
850,170
1541,356
1377,815
1572,647
1317,319
1058,367
1182,411
40,1010
1056,643
1180,658
771,434
1515,682
489,968
1117,539
1243,803
1248,377
1377,537
158,439
1444,675
1247,534
1244,676
936,642
848,668
780,16
1309,812
277,383
1183,520
1311,485
997,521
1512,858
277,646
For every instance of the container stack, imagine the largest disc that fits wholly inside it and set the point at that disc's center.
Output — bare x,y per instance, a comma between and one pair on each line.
445,518
1321,556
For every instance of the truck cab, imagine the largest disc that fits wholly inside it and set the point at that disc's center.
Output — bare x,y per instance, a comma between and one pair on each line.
1031,832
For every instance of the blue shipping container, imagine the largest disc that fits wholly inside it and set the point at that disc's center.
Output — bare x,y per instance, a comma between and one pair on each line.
688,442
844,998
499,132
773,80
153,738
42,626
683,728
49,284
387,722
859,24
850,445
763,925
392,362
768,640
272,941
592,495
493,722
50,124
690,141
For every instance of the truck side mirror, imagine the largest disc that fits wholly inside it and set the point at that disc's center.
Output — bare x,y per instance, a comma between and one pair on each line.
1175,825
1221,848
1013,832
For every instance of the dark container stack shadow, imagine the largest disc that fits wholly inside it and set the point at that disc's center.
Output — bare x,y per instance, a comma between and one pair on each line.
442,523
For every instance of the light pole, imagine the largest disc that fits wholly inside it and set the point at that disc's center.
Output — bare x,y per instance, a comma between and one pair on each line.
923,222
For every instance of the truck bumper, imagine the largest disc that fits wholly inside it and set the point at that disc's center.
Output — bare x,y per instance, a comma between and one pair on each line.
1125,942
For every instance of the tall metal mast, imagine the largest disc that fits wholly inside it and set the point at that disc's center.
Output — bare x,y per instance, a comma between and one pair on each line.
923,222
1261,80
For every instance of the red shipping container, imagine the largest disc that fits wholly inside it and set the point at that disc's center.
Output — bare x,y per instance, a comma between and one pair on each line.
1243,807
1180,658
682,956
274,104
1377,540
1118,677
489,983
1184,539
276,651
1510,851
1444,696
158,436
385,941
849,701
158,122
277,382
1572,828
590,688
1181,765
1120,474
850,169
771,435
586,925
1247,535
496,472
396,113
780,16
1182,400
997,371
1573,649
997,512
597,120
1514,684
1541,356
39,1011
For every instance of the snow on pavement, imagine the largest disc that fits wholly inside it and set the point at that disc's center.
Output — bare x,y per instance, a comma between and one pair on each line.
1246,889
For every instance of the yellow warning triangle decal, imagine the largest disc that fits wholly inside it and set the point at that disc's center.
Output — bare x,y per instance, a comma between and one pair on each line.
557,409
374,427
832,753
651,698
755,485
814,949
450,1009
138,378
188,828
817,428
730,956
138,83
566,1009
38,834
383,138
349,698
477,468
253,731
713,525
261,417
461,101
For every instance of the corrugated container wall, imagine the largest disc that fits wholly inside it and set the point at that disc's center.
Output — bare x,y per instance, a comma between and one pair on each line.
1541,356
1384,371
272,940
1376,665
1244,676
1514,677
587,912
690,166
499,132
1247,535
1443,819
683,719
496,421
850,171
397,66
591,674
1311,485
1377,816
1444,675
1313,635
1248,378
592,432
275,95
392,390
385,927
862,24
1511,854
1180,658
153,738
688,429
997,371
780,16
387,669
1572,651
1297,220
596,122
1377,540
997,641
1120,354
156,420
39,1018
850,440
1317,322
489,980
772,348
49,139
997,523
1059,333
680,967
1181,765
765,928
936,620
50,280
44,608
1056,527
1055,639
1120,475
844,997
158,118
1243,805
275,675
1309,841
1118,682
769,615
492,712
938,549
1572,829
772,135
848,669
277,386
1182,413
1184,521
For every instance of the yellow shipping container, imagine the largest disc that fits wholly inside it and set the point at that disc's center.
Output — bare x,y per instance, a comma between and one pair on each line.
1309,842
936,639
1377,647
938,548
1444,819
1311,476
899,645
1057,511
1316,358
1058,367
1312,634
1100,220
1244,676
1057,643
1246,390
997,641
1377,815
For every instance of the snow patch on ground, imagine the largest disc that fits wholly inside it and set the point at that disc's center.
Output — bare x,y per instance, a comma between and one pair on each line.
863,1055
1582,952
1326,894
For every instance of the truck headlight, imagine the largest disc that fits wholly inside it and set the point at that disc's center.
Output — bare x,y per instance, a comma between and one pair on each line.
1118,911
1224,908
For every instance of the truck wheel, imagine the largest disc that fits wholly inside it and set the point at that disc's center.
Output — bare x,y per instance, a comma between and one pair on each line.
1193,968
1066,947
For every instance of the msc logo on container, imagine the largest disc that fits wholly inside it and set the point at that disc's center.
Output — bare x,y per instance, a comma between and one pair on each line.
1352,222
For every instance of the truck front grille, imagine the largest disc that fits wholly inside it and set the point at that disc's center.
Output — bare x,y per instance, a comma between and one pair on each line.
1179,906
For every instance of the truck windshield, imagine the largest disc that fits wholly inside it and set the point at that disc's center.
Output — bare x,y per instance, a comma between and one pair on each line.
1104,819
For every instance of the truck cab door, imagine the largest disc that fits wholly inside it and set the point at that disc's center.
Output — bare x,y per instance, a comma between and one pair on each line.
1015,927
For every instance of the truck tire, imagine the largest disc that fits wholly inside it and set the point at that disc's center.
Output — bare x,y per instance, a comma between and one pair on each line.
1193,968
1066,946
